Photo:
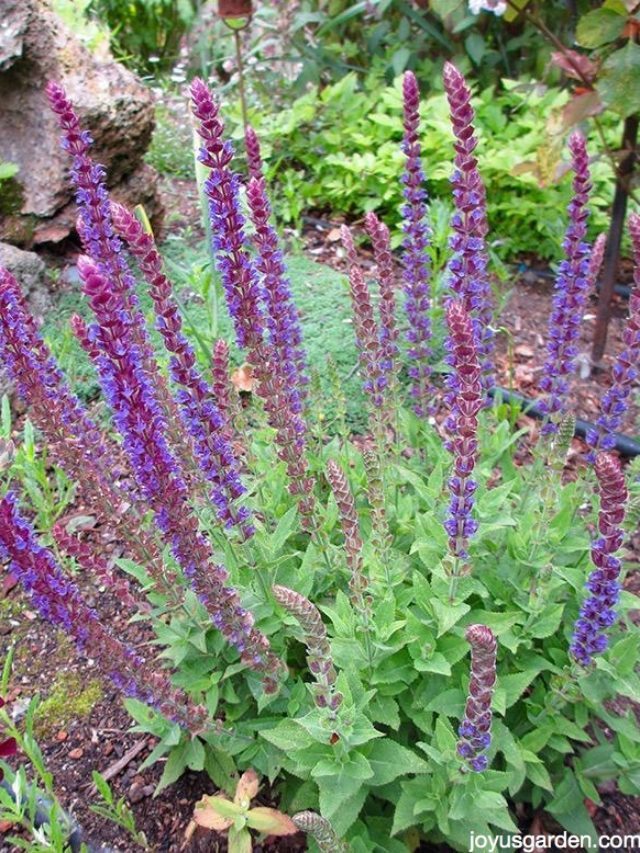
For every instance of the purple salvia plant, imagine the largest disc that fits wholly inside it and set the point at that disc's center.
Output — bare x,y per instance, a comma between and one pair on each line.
140,421
572,284
598,613
475,729
465,387
615,401
243,297
196,400
100,242
314,635
379,236
83,336
283,322
59,601
366,330
415,256
76,443
467,269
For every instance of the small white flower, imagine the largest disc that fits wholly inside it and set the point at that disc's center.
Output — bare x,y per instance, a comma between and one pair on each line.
498,7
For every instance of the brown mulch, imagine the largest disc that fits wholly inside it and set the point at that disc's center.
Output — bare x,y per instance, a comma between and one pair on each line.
102,737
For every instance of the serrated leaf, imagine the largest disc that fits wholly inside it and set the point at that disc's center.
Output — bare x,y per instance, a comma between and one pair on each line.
448,614
548,622
389,760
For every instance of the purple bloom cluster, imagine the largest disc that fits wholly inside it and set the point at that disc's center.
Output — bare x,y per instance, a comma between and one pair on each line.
475,729
465,389
366,328
59,601
415,258
468,277
597,613
572,284
283,321
353,545
615,401
96,230
199,412
243,296
227,222
140,421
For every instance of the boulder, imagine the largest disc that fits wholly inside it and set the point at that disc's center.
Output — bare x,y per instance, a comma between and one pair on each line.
113,104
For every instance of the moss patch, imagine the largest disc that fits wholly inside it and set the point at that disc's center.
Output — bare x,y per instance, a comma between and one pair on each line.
69,700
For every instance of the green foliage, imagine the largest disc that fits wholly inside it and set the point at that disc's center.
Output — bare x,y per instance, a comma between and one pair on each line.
49,489
145,34
338,149
387,762
116,810
171,148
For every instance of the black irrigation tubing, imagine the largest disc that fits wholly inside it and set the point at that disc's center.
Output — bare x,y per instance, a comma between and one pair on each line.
623,290
76,835
625,445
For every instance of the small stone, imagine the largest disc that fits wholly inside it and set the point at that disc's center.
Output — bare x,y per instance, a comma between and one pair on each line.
61,736
107,749
76,753
137,792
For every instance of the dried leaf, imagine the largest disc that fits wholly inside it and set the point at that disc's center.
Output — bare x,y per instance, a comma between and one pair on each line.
247,789
271,821
242,378
215,812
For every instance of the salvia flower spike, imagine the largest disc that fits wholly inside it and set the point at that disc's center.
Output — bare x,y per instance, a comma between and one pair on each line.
244,299
415,257
367,334
197,408
60,602
465,389
140,422
314,636
468,275
615,401
598,612
475,729
571,291
283,321
351,530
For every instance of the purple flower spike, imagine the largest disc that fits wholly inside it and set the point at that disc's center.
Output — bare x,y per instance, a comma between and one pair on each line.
366,329
597,613
254,156
615,401
572,286
197,408
140,422
596,258
475,729
415,258
283,321
468,277
466,393
227,222
379,236
60,602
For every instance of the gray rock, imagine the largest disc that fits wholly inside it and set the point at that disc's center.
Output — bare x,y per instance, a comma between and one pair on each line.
27,267
112,103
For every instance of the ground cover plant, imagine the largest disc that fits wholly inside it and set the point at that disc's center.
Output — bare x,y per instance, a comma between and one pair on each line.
395,633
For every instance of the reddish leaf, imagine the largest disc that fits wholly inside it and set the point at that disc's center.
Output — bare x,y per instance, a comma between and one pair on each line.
242,378
247,789
271,821
581,107
575,65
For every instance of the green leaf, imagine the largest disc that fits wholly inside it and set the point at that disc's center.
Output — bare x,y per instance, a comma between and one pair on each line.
194,754
173,769
539,775
389,760
447,614
515,684
287,735
284,529
619,81
548,622
220,768
601,26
